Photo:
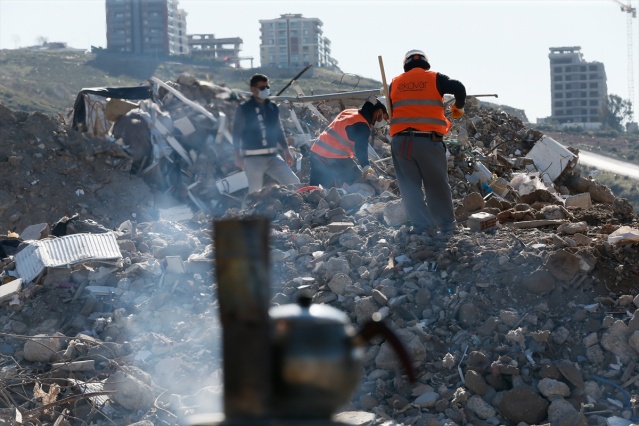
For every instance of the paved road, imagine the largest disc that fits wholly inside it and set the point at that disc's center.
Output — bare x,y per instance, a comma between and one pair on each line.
609,164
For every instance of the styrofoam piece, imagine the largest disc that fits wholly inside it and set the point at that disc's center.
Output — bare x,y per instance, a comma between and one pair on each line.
174,265
298,161
67,250
176,213
550,157
184,125
9,289
232,183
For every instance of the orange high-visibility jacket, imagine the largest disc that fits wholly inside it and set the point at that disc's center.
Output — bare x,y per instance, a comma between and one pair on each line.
417,104
333,142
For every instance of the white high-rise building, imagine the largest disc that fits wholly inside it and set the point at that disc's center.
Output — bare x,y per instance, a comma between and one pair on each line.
292,41
146,26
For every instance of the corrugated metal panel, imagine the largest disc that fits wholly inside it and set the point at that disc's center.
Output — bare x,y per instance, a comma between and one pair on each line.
66,250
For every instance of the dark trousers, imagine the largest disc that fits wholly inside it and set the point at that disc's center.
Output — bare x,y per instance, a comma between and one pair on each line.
330,172
421,167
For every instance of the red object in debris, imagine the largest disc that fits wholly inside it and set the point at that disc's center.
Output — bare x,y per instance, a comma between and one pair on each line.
308,188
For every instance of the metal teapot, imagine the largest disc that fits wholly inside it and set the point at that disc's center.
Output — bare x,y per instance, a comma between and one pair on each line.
317,358
291,364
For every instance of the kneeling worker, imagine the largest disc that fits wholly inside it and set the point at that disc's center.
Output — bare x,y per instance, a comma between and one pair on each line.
346,137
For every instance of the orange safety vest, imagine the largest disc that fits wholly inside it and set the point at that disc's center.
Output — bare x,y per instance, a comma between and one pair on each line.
417,104
333,142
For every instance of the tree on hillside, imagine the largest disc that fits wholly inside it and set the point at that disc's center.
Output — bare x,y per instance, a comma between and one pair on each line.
616,111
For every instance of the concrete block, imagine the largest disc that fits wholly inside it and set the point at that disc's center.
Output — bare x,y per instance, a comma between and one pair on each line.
482,221
582,200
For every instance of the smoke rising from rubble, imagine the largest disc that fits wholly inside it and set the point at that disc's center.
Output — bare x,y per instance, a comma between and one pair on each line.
545,294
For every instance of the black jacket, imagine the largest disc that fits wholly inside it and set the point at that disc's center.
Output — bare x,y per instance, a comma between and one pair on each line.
247,131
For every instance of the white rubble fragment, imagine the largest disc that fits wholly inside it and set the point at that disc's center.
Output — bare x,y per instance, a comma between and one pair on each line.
448,361
10,289
480,407
551,388
426,400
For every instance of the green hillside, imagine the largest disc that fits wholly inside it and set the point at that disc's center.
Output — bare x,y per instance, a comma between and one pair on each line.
49,81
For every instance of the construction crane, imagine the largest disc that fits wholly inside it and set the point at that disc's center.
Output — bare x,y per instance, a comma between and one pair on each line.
631,13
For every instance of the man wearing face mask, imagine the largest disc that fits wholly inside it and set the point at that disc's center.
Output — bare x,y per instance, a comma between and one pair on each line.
346,137
258,139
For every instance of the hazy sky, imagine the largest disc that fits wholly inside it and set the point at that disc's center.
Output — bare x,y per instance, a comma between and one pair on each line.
491,46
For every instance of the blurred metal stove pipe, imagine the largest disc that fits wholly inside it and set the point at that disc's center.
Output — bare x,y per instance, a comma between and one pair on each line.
243,287
242,265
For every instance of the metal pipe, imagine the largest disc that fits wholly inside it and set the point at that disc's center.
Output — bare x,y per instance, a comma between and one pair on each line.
328,96
243,273
294,79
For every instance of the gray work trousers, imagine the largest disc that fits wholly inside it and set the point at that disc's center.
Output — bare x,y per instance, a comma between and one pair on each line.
421,162
256,166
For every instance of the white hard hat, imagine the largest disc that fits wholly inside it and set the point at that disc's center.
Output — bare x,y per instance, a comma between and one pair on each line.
374,99
414,54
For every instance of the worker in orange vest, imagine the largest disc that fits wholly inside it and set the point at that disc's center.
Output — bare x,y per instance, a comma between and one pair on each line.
417,127
332,154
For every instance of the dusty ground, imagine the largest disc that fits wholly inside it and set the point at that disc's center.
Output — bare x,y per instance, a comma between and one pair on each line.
495,295
51,172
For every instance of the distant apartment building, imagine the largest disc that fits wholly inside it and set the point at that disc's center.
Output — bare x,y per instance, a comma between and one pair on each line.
146,26
223,50
578,88
292,41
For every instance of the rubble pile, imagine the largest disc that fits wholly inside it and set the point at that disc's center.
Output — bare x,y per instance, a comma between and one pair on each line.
528,314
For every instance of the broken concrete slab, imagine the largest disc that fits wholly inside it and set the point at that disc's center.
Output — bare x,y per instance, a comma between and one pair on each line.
551,158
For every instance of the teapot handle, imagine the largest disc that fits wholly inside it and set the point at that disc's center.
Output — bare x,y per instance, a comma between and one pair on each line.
373,328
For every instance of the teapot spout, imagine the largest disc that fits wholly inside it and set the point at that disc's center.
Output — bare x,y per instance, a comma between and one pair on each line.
374,328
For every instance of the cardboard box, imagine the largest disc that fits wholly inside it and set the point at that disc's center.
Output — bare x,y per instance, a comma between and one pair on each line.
116,108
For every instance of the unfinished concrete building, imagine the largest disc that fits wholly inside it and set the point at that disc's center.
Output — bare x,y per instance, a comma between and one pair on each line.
578,88
222,50
146,27
292,41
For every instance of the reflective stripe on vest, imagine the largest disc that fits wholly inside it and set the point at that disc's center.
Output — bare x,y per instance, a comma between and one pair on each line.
335,150
421,120
263,151
417,104
333,142
430,102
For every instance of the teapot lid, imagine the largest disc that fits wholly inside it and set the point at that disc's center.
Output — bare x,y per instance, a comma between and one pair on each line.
305,311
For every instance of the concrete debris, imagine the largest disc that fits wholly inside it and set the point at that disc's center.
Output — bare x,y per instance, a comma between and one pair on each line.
526,314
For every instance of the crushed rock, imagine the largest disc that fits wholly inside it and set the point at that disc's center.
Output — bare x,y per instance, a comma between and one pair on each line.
507,325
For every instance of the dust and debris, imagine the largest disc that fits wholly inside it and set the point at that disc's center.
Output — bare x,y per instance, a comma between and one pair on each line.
530,318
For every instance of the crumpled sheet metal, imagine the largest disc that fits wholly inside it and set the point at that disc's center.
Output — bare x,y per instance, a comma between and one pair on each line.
67,250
